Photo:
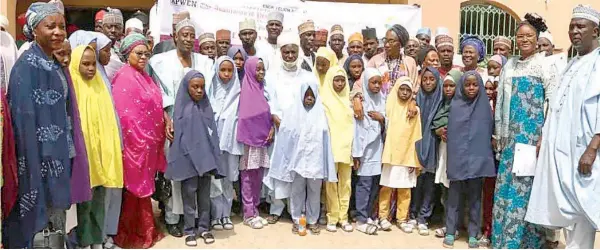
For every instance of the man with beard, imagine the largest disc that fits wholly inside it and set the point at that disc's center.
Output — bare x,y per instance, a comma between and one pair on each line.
337,43
168,69
567,175
445,48
208,45
320,39
424,36
355,44
112,27
223,42
503,46
370,43
98,21
306,31
248,37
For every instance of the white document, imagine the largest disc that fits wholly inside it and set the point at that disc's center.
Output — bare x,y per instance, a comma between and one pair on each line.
525,160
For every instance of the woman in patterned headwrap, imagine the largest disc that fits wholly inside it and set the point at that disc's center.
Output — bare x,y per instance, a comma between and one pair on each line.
47,132
473,52
138,102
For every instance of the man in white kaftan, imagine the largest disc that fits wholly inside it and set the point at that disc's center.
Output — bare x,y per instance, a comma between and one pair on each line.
566,187
168,71
282,85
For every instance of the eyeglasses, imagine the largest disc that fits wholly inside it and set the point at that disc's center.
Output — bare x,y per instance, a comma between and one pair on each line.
140,54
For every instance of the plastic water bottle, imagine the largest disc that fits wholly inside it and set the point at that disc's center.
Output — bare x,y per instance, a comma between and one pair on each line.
302,225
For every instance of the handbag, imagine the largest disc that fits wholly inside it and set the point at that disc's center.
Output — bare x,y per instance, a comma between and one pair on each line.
163,188
49,239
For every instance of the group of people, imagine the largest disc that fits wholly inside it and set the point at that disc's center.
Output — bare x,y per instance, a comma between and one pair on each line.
97,125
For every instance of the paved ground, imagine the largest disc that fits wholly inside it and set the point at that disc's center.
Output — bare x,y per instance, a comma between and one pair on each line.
280,236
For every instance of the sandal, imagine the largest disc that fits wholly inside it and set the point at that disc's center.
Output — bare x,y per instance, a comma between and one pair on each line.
207,237
347,227
264,221
406,227
295,228
366,228
331,228
272,219
440,232
227,223
190,241
253,222
216,225
423,230
314,229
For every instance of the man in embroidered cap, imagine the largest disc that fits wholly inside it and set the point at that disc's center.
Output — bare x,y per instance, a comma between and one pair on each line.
133,25
337,43
167,69
445,48
320,39
424,36
167,45
503,46
545,43
306,31
370,43
567,174
223,39
98,20
248,37
355,44
208,45
112,24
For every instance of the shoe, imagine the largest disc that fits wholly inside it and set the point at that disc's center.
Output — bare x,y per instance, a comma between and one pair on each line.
485,242
216,225
406,227
385,225
227,223
449,241
190,241
413,222
473,242
254,223
440,232
174,230
331,228
423,230
264,221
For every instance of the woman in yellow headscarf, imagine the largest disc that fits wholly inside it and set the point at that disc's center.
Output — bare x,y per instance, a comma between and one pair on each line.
102,142
336,101
325,60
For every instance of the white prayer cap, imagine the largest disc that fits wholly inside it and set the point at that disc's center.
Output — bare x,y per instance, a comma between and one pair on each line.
185,23
275,16
442,31
547,35
288,38
586,12
3,22
248,24
135,24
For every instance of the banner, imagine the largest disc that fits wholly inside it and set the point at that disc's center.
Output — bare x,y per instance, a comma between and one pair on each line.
212,15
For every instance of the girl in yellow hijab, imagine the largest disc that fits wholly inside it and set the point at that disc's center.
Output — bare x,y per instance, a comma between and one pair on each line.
325,60
400,163
102,142
335,96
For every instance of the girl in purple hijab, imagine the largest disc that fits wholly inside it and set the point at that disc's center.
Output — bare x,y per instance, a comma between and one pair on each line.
255,130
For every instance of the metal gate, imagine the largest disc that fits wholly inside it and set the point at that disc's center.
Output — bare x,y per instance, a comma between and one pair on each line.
487,21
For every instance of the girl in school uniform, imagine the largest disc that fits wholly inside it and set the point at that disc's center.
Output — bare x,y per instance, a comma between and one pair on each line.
194,156
302,155
440,127
429,99
470,154
223,91
255,130
336,101
400,163
367,149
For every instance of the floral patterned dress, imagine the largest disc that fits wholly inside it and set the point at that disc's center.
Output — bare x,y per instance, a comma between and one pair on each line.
526,83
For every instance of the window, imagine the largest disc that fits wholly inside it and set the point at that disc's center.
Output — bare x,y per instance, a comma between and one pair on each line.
487,22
